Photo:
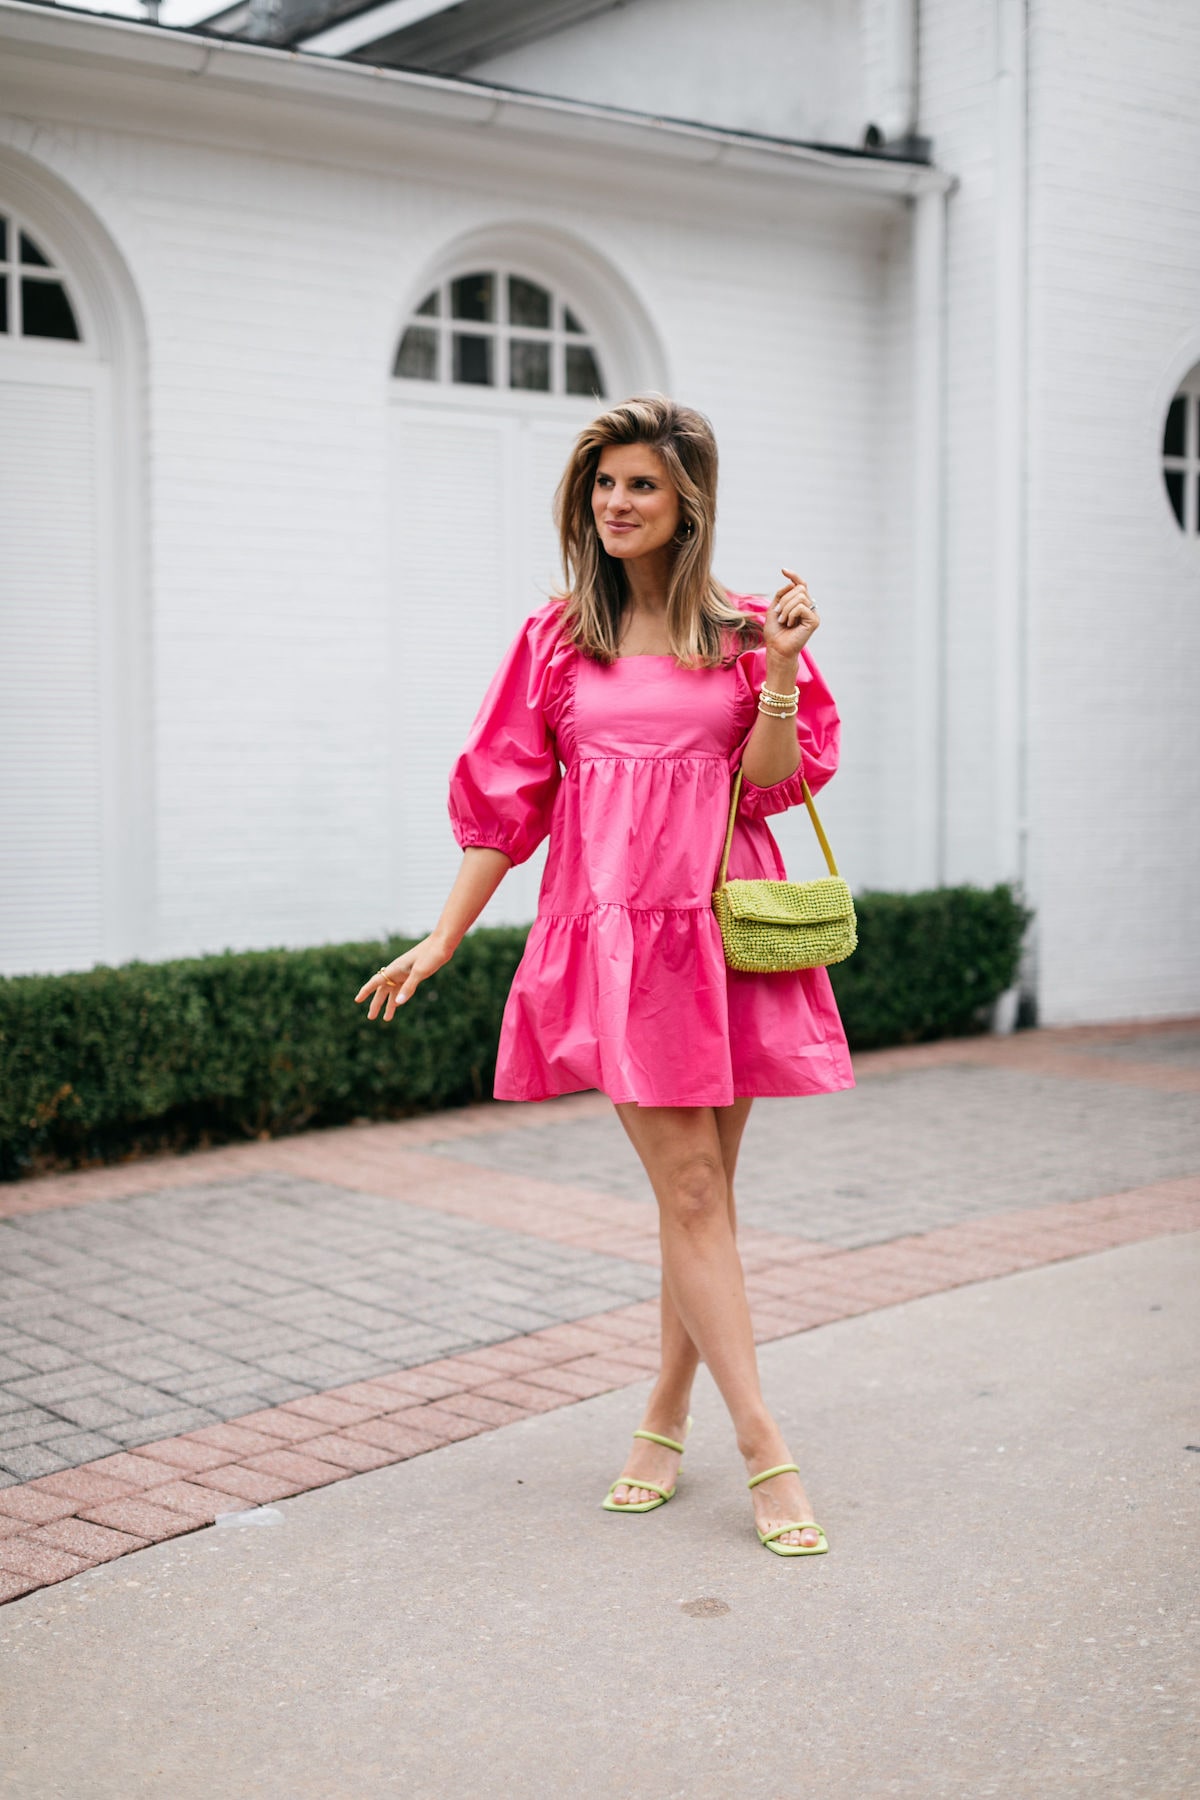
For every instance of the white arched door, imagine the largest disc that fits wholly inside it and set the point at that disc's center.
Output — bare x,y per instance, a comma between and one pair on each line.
482,422
54,509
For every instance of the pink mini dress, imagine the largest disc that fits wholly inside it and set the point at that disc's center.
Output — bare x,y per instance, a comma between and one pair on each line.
623,985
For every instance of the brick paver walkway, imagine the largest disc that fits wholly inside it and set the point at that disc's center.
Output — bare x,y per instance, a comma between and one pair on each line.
189,1336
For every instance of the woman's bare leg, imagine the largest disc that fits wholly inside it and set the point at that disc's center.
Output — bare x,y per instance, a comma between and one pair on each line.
681,1150
667,1408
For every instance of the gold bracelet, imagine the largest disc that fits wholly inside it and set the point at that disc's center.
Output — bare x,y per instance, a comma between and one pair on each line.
766,693
771,712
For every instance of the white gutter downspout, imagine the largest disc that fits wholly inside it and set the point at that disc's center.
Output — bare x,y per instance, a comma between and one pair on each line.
1010,600
928,710
927,715
896,109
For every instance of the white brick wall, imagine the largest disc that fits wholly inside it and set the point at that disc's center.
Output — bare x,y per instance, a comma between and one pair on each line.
1114,320
1113,145
792,68
269,309
783,341
273,281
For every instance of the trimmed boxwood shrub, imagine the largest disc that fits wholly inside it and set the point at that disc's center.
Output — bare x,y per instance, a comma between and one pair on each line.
114,1062
928,965
100,1065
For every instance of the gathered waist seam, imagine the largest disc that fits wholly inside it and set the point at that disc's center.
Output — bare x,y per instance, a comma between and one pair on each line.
620,906
714,756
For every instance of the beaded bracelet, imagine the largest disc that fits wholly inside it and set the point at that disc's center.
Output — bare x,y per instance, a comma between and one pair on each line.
778,706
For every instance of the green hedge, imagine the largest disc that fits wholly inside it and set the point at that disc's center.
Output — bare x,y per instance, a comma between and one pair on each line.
100,1065
113,1062
928,965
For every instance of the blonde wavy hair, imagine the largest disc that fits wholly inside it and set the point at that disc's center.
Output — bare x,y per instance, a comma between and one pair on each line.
705,629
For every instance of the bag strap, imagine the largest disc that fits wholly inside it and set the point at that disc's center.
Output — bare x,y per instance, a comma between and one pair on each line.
820,830
812,813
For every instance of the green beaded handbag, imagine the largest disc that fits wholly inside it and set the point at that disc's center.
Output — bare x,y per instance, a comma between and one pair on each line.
768,927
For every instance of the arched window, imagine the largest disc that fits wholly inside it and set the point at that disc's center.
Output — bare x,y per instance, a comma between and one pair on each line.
495,328
1181,453
34,302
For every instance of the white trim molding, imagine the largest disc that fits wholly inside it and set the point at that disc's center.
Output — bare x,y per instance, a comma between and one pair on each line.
928,498
1010,591
632,353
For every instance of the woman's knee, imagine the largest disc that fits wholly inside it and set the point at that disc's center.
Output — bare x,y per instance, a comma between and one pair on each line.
694,1190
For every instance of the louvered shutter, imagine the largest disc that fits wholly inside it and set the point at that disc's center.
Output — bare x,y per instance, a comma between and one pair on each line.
547,445
51,753
473,554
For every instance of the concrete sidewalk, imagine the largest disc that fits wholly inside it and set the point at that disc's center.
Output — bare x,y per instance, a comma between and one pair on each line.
1007,1474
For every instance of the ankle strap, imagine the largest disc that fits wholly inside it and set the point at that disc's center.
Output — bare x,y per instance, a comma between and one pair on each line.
783,1469
652,1437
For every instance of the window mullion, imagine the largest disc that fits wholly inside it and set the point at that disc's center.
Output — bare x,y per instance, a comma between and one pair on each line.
506,335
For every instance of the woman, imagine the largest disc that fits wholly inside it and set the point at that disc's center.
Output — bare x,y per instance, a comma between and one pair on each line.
614,724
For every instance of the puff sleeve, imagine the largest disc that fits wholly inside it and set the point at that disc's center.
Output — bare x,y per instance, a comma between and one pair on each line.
818,730
503,785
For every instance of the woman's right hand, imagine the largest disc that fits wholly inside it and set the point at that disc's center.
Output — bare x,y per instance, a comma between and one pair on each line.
396,984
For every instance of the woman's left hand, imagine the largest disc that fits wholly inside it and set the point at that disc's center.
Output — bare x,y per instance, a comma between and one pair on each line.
791,617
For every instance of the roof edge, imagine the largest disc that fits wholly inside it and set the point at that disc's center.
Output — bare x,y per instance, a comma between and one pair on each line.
195,53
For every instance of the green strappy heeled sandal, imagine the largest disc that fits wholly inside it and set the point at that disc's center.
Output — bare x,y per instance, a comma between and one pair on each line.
664,1494
768,1538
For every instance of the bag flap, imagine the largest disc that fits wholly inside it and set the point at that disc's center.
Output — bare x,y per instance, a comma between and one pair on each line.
822,902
